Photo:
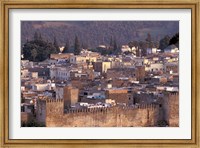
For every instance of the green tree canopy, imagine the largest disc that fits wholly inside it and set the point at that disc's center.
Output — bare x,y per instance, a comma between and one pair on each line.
55,43
77,48
66,48
37,49
175,40
164,42
148,39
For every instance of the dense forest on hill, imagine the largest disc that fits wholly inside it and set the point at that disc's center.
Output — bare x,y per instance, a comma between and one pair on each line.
93,33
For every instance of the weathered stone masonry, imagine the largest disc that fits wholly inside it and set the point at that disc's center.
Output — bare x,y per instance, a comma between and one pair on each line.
119,116
145,115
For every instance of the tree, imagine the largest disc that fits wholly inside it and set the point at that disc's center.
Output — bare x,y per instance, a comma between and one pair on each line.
131,45
37,50
174,40
135,43
55,43
148,39
111,41
40,37
142,48
85,45
151,45
156,44
77,48
115,45
164,42
36,36
50,47
34,54
111,44
66,48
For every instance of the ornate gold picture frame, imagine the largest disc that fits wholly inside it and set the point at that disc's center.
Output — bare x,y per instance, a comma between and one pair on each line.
6,5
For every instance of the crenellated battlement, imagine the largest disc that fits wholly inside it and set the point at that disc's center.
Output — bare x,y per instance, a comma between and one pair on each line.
86,110
144,115
173,93
148,106
140,115
54,100
54,106
106,109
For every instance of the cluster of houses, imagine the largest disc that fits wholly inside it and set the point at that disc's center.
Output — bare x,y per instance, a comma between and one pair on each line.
92,80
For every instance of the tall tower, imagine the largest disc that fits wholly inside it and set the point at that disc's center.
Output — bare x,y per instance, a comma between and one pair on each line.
70,96
54,112
171,108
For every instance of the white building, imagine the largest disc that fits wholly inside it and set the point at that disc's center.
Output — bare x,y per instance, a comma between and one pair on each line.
171,49
60,73
26,63
151,50
126,48
154,67
154,50
43,87
82,59
24,73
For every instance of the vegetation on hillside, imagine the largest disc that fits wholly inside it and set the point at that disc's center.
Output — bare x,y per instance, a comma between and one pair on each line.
39,50
94,33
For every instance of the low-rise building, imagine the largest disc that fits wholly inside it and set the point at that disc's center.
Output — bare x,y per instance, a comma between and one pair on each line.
154,67
71,96
82,59
172,67
43,86
120,95
115,73
24,73
171,49
158,80
43,72
101,66
61,56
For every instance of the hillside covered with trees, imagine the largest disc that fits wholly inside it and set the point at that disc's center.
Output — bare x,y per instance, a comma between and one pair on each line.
94,33
39,50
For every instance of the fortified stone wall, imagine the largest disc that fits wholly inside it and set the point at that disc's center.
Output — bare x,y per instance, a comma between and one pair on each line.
174,109
171,108
26,117
146,115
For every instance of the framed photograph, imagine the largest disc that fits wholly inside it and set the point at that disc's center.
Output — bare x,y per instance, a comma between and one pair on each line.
105,73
